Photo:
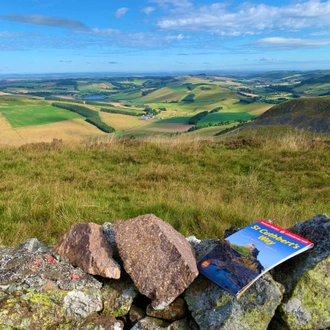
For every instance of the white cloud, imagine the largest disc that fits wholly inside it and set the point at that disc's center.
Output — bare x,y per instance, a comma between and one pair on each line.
120,12
46,21
291,43
268,59
148,10
248,19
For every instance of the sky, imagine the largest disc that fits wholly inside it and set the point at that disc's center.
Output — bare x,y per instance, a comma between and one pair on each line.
144,36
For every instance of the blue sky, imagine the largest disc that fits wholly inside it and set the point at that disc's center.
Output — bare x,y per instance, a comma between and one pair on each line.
42,36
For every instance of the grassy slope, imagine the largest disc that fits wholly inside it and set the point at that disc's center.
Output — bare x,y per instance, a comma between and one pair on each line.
200,187
22,116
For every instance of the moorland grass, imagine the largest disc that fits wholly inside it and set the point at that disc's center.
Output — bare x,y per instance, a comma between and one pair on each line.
200,186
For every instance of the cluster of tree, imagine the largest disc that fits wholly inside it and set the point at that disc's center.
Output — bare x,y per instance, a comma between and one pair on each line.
148,91
195,119
196,127
121,112
68,82
217,109
92,117
189,98
101,125
149,111
158,82
280,88
248,99
40,94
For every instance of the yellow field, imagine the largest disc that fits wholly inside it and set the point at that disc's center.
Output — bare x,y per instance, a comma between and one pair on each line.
121,122
68,130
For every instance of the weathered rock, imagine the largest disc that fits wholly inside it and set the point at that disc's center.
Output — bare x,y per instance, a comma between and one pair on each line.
33,288
109,233
174,311
150,323
213,308
86,246
203,247
118,296
159,260
136,314
96,322
306,303
180,325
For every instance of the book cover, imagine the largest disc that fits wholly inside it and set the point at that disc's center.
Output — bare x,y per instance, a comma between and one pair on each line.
239,260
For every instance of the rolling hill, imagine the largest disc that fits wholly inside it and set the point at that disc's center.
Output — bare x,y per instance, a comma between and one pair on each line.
311,114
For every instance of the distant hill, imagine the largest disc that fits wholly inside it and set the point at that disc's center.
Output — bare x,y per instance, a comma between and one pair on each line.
311,114
320,80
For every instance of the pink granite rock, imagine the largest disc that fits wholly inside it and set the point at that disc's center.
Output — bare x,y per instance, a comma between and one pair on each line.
159,260
85,246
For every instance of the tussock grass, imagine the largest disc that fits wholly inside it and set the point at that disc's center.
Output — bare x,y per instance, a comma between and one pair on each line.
201,186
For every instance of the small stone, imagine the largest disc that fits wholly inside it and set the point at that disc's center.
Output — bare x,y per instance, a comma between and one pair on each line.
159,260
182,324
85,246
174,311
136,314
150,323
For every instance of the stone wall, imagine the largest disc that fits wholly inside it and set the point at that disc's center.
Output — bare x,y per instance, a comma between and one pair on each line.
142,274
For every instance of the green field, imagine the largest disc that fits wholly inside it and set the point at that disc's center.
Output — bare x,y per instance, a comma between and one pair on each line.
174,120
215,118
35,115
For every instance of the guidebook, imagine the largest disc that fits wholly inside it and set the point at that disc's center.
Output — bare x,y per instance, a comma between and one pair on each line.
239,260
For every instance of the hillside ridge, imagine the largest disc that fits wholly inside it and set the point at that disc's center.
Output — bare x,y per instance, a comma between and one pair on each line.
311,114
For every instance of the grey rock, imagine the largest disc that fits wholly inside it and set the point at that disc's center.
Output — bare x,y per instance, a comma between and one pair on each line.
182,324
79,304
32,245
109,233
96,322
150,323
176,310
213,308
306,303
118,296
204,247
159,260
85,246
31,289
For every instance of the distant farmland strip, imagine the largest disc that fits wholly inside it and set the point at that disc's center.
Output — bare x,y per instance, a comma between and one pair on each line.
92,116
121,112
230,117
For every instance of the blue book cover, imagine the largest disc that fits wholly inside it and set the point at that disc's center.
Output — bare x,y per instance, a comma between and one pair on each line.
239,260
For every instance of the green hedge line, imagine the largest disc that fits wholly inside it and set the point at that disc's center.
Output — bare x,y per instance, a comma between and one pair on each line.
100,124
122,112
195,119
92,116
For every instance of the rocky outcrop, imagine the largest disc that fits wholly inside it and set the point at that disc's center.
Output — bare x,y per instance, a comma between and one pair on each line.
40,289
306,278
159,260
213,308
85,246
